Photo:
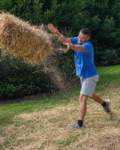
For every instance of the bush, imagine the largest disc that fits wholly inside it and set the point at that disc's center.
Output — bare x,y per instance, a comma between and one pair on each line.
107,57
19,79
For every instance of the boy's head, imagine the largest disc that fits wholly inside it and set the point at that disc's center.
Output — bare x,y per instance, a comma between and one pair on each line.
85,34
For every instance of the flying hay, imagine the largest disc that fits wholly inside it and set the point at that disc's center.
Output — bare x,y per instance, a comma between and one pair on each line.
20,39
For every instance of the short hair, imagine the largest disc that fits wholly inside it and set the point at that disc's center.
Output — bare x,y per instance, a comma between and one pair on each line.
86,31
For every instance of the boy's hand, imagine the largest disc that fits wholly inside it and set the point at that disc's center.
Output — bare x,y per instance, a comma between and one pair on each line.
64,50
66,43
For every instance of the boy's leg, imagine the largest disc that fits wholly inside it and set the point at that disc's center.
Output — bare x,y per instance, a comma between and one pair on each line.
83,106
105,104
83,102
82,113
97,98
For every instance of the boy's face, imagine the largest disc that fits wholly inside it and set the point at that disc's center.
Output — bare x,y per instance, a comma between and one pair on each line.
83,37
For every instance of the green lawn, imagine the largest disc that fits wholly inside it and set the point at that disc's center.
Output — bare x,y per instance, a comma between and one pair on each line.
46,123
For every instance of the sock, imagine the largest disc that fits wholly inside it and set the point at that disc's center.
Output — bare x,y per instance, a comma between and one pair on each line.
104,104
80,123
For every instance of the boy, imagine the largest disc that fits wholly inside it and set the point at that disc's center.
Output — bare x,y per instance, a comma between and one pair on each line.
85,69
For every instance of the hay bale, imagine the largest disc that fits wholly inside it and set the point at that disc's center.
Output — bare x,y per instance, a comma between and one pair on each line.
22,40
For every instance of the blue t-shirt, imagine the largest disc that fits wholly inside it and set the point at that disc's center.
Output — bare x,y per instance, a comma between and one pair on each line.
84,61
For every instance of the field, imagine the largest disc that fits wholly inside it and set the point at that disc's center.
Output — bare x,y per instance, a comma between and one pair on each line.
45,124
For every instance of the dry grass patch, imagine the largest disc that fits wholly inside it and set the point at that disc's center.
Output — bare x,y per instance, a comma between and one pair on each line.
50,129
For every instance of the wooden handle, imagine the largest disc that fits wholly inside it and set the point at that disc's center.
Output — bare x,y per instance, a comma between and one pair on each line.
53,29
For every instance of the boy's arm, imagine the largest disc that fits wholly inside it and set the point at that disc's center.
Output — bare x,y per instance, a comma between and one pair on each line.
59,35
75,47
65,41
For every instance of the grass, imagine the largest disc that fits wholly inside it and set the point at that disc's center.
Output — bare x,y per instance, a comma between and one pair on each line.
46,124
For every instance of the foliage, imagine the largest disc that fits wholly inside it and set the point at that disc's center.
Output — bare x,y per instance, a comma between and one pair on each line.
18,79
103,17
69,16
